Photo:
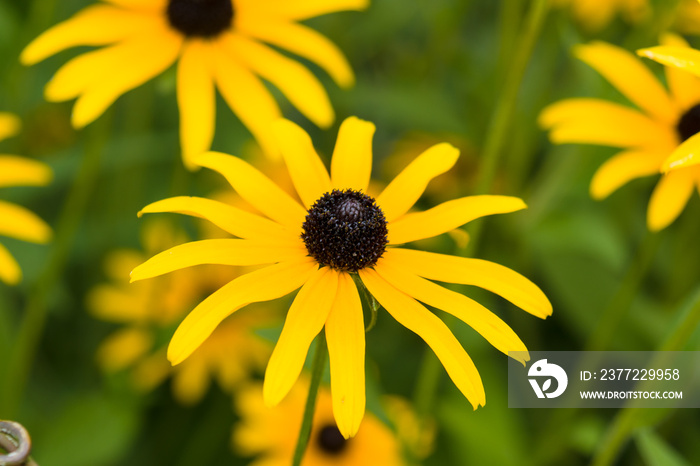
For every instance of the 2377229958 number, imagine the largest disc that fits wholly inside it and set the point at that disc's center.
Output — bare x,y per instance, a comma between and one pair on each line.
639,374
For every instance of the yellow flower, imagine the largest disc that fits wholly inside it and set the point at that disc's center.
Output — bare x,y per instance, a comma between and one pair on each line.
648,136
217,44
15,221
596,14
149,310
687,20
339,232
268,433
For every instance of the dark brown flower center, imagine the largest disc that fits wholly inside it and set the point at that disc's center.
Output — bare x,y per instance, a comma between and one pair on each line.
201,18
345,230
689,124
330,440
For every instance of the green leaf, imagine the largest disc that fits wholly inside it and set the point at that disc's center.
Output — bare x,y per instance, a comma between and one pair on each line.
656,452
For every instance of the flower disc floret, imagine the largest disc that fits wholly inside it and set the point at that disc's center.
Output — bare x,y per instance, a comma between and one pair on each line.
689,123
200,18
345,230
330,440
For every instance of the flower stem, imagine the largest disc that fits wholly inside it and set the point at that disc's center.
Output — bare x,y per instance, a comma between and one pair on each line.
319,365
32,326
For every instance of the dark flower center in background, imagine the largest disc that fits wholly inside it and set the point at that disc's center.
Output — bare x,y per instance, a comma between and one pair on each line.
200,18
345,230
689,124
330,440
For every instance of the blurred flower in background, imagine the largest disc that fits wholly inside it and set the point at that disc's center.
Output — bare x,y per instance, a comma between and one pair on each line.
687,20
649,135
596,14
342,233
148,312
15,221
216,43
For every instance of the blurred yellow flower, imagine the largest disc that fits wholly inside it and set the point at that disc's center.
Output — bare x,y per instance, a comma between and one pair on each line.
687,20
648,136
338,234
596,14
15,221
217,44
272,433
148,312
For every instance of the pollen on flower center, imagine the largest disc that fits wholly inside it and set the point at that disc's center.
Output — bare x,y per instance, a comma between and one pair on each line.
345,230
200,18
330,440
689,124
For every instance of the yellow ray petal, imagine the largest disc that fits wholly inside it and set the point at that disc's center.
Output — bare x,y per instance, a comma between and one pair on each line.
9,125
217,251
191,381
492,328
135,62
122,348
303,41
10,272
622,168
236,221
634,80
305,9
151,5
256,188
21,171
448,216
296,82
345,333
669,198
681,57
248,98
409,185
351,166
685,88
95,25
195,100
412,315
265,284
18,222
484,274
596,121
304,321
685,155
308,173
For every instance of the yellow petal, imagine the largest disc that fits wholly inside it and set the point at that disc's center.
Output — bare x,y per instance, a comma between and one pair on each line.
296,82
345,333
10,272
191,381
248,98
634,80
596,121
409,185
134,62
21,171
217,251
122,348
685,58
195,100
151,5
412,315
448,216
94,25
484,274
685,87
304,321
236,221
303,41
18,222
669,198
9,125
685,155
256,189
351,166
493,329
622,168
305,9
308,173
265,284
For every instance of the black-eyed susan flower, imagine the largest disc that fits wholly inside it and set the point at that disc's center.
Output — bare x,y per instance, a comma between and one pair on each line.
15,221
649,135
596,14
265,433
340,230
148,311
217,44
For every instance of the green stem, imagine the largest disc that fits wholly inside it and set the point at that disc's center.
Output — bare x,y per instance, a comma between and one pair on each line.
35,313
319,365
